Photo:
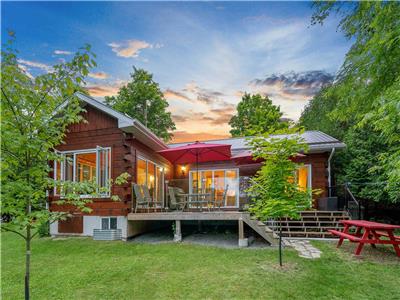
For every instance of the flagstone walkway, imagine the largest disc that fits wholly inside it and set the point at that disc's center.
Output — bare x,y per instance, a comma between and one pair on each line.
304,248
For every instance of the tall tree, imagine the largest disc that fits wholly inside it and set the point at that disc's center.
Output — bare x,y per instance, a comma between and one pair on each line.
142,99
256,114
30,130
363,101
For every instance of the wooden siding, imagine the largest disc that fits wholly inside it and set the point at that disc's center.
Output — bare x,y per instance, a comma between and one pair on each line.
102,130
73,224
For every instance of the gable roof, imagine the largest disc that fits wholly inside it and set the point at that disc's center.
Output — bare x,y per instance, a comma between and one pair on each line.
125,123
316,140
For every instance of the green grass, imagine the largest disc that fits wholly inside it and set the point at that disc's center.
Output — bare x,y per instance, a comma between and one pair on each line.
80,268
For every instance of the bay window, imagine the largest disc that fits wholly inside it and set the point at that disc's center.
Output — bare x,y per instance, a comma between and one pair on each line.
85,165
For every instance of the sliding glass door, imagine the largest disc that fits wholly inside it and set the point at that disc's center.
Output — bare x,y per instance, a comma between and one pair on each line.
219,180
151,175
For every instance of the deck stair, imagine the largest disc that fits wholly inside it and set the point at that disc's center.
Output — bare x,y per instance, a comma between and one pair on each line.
312,224
262,229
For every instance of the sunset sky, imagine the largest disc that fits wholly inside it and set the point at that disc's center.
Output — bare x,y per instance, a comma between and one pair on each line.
204,55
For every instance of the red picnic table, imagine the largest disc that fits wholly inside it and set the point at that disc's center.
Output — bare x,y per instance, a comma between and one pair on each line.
368,233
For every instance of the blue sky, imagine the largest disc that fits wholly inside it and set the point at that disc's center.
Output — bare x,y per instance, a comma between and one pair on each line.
204,55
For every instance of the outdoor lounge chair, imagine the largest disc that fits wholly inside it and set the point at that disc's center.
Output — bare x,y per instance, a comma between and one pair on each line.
222,201
152,201
141,200
175,201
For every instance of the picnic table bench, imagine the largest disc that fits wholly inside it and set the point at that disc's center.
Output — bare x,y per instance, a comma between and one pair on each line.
368,233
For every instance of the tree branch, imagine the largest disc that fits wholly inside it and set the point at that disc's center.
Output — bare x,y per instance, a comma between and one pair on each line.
13,110
11,230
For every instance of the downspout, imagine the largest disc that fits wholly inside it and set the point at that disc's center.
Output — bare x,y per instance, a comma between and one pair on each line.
329,173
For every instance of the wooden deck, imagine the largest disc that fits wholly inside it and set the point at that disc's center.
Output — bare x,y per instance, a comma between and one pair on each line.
187,215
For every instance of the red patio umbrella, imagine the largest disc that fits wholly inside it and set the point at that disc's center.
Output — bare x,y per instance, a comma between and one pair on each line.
197,152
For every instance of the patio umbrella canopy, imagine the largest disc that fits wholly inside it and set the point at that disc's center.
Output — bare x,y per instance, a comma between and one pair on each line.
197,152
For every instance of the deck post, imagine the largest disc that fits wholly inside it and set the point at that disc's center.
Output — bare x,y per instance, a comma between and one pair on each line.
178,232
243,242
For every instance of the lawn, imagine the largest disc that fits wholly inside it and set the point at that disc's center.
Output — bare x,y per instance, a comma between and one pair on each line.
80,268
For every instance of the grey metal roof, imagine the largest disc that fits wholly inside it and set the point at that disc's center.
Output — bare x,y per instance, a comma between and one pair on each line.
317,141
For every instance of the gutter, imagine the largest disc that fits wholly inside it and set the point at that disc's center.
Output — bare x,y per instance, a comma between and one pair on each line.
329,172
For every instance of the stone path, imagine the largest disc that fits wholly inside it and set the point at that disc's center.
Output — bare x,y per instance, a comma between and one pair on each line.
304,248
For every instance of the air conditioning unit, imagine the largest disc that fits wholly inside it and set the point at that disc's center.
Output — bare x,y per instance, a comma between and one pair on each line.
107,235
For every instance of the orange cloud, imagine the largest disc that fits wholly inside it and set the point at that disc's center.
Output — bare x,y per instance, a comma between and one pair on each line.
131,48
98,75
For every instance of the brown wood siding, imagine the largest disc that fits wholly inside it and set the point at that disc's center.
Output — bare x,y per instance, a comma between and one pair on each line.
73,224
102,130
318,162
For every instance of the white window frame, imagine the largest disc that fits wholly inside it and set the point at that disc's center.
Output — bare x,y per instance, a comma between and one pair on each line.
84,151
109,223
309,177
212,185
147,160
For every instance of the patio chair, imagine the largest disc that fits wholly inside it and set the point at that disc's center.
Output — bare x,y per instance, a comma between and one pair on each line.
222,201
152,201
141,200
175,201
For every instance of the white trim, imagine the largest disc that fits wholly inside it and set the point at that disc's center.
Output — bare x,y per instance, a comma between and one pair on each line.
74,166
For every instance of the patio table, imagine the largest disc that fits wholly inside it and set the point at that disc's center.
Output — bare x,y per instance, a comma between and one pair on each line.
368,233
198,202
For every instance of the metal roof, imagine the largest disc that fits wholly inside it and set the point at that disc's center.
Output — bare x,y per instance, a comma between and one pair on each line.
316,140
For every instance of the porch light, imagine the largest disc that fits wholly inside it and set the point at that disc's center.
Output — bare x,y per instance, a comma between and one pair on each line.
183,169
151,178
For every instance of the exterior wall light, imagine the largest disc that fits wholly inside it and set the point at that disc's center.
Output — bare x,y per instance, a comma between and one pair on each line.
183,170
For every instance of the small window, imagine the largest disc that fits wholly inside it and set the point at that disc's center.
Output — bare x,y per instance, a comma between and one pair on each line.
108,223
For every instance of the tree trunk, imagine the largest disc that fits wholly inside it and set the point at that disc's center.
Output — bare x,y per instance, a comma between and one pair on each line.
27,261
280,243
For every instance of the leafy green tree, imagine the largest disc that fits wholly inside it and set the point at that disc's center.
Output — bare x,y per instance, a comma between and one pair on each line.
143,100
256,114
360,164
373,62
275,192
361,107
30,131
317,114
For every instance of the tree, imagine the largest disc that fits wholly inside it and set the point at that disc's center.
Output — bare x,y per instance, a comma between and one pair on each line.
142,99
316,114
361,106
275,192
256,114
30,131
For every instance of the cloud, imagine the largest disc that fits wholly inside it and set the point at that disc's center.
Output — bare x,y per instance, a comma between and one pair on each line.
62,52
203,95
179,118
131,48
98,75
172,94
184,136
292,85
35,64
107,89
25,69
